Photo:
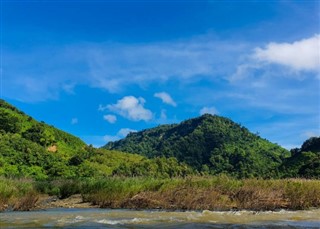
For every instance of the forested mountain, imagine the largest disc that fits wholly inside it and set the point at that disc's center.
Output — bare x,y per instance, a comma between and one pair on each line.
207,145
29,148
304,162
14,121
210,144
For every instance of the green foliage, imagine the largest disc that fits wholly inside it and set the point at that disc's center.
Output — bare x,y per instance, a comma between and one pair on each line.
14,121
68,188
12,191
35,150
158,167
305,162
108,191
312,145
209,144
8,122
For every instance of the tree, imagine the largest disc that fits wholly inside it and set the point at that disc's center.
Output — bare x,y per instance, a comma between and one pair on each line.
8,122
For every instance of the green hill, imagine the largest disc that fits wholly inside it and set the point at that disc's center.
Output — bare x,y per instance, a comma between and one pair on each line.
304,162
210,144
207,144
16,122
29,148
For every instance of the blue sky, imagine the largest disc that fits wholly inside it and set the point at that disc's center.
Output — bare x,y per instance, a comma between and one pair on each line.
100,69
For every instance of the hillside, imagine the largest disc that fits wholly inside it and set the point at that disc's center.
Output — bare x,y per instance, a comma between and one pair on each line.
60,164
304,162
207,144
29,148
210,144
15,121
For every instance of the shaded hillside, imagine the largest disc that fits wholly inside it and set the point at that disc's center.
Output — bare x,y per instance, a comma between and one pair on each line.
211,144
29,148
304,162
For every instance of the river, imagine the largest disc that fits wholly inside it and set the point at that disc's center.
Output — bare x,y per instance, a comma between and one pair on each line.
106,218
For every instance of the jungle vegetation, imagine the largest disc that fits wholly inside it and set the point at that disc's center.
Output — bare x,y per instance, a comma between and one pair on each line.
207,145
208,162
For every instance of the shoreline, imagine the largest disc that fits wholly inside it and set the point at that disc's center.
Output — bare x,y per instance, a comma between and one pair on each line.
196,194
46,202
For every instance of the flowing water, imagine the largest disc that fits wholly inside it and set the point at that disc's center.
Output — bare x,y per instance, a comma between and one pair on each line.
104,218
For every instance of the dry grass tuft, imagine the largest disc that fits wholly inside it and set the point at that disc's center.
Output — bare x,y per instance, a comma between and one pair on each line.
27,202
192,193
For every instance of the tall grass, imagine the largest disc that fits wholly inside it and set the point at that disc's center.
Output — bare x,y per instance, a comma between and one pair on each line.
302,194
17,194
113,192
198,193
191,193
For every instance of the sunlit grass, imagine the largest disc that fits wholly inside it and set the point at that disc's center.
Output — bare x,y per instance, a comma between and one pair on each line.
191,193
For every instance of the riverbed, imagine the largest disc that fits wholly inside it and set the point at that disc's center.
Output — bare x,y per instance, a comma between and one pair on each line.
106,218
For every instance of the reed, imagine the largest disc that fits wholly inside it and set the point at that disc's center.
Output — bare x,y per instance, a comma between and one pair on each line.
112,192
18,194
302,193
27,201
199,193
191,193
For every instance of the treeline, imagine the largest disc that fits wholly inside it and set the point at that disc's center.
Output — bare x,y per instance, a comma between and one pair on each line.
15,121
207,145
34,149
216,145
305,161
22,158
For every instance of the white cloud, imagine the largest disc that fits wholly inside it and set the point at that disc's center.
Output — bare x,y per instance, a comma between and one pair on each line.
125,131
74,121
110,118
299,55
122,133
279,78
208,110
131,108
166,98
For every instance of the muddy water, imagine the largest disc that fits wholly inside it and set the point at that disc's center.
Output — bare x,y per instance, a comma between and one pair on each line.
103,218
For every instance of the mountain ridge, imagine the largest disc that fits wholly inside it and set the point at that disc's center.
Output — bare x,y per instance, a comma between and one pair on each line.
208,145
33,149
204,142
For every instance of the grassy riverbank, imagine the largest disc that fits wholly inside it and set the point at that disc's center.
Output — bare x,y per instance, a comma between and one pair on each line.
192,193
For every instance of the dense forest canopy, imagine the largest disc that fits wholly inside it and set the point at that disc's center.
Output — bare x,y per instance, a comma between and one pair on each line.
29,148
210,144
204,145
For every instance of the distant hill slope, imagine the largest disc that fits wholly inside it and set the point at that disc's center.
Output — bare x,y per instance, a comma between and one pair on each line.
304,162
15,121
211,144
33,149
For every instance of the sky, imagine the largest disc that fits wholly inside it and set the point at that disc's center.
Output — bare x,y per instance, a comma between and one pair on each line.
101,69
